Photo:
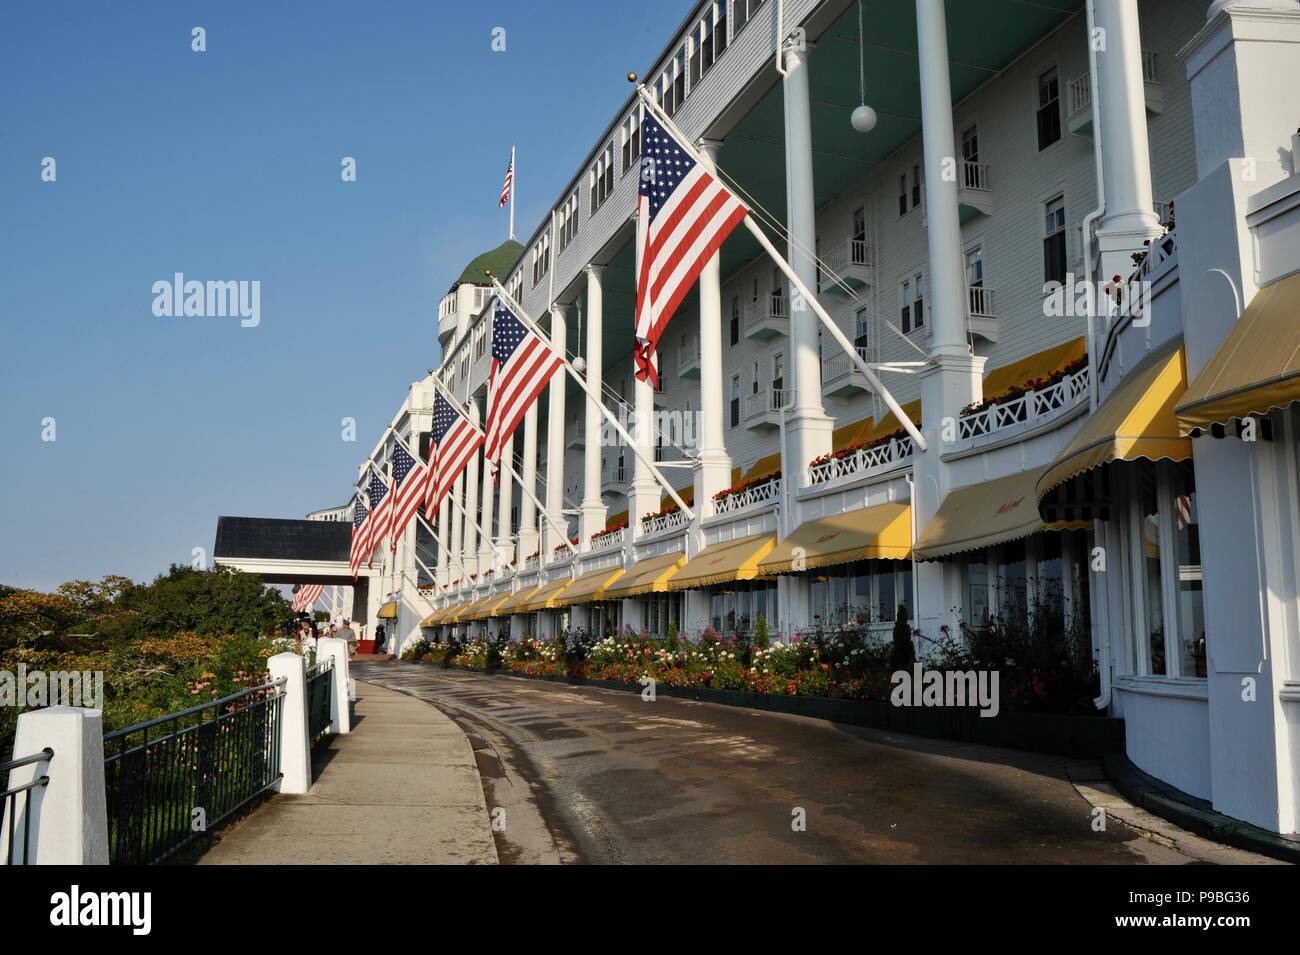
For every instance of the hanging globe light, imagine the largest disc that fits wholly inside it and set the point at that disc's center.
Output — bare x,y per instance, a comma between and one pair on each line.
863,119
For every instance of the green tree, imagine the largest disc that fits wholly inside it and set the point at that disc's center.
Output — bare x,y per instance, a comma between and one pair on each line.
205,602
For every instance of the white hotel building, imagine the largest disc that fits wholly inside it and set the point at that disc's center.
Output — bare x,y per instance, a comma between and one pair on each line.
1008,152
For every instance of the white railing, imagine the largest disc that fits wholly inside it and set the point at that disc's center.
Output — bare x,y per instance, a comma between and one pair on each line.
563,552
849,252
1150,67
1165,210
750,497
758,404
530,562
1032,406
981,301
882,457
610,539
839,365
1080,93
688,353
664,522
768,308
1160,250
974,175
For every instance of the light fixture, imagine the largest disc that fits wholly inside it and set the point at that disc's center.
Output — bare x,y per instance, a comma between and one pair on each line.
864,117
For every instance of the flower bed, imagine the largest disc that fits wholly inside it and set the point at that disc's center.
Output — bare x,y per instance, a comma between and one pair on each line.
744,486
849,450
1030,384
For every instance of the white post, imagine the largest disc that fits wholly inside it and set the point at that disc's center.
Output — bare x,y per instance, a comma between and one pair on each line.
593,514
444,559
469,550
528,541
1130,217
458,520
505,500
713,473
295,748
336,649
66,818
555,440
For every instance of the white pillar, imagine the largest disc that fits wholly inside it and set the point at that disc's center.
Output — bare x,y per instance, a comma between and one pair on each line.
444,562
67,817
505,498
528,540
1130,217
592,519
713,473
485,549
644,492
808,431
295,747
469,548
457,527
555,439
336,649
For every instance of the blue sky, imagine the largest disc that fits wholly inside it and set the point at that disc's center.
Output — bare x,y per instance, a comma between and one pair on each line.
225,165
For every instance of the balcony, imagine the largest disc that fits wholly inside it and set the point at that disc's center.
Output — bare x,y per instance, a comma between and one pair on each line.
762,410
750,497
614,478
841,377
974,194
688,356
1030,409
1079,119
608,539
767,318
575,429
852,262
982,317
662,523
897,452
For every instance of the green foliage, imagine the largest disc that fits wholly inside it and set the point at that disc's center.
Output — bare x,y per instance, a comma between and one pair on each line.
902,652
762,639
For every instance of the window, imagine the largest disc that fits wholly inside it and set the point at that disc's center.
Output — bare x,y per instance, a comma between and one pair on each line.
862,329
778,378
516,286
708,40
672,83
902,194
630,138
480,340
860,224
568,221
976,295
1054,241
864,593
905,306
743,11
909,191
735,607
600,180
918,301
1049,109
754,378
735,320
970,157
916,186
735,401
541,258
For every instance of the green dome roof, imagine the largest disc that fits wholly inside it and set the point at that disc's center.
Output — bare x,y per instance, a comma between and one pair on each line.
500,260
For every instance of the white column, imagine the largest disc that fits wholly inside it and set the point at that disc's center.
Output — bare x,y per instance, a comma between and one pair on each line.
485,549
593,515
528,539
66,817
808,432
469,548
444,561
336,649
1130,216
295,748
457,528
644,492
505,498
713,473
555,438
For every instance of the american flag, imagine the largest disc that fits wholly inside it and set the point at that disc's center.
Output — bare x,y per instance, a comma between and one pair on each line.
522,365
305,597
409,479
1183,507
360,534
455,439
684,214
510,181
381,516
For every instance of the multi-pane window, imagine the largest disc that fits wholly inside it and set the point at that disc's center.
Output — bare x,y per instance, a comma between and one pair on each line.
736,607
516,286
568,221
863,593
743,11
672,83
916,185
735,320
911,303
1049,108
630,137
918,301
708,40
1054,240
541,257
909,190
600,181
902,195
480,340
905,305
862,328
734,404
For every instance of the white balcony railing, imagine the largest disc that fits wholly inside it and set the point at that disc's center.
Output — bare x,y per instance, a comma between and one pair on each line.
1032,406
766,403
981,300
530,562
975,175
880,458
839,365
770,315
1164,210
1150,67
750,497
688,355
850,252
608,540
664,522
1080,88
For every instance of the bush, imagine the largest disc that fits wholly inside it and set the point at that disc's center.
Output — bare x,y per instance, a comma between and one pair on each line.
903,652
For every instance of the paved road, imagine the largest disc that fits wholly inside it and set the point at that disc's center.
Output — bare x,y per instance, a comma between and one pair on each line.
593,775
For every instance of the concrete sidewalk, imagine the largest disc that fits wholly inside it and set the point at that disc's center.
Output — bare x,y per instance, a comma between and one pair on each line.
401,788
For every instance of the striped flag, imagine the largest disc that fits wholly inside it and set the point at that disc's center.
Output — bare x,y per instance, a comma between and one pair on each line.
454,441
409,479
381,516
684,214
305,597
522,365
510,181
360,534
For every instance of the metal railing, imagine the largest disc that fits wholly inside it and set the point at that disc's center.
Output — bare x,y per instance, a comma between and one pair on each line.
1031,406
10,809
320,687
882,457
215,758
750,497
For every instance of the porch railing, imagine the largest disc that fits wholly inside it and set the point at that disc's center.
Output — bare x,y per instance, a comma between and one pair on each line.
211,759
664,522
320,689
882,457
16,801
750,497
1031,406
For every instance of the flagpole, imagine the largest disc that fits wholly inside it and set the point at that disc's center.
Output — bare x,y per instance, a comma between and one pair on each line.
507,465
582,383
840,338
514,184
447,551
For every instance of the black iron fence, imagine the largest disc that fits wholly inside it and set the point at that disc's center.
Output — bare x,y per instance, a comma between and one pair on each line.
320,688
172,778
16,802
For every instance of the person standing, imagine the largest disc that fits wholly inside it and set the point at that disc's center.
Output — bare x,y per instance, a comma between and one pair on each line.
380,636
350,635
